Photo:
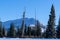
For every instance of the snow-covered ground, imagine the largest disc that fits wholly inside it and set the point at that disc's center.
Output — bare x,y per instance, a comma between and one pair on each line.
25,39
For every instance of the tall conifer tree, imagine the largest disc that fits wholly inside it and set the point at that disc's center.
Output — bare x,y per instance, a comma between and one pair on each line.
50,30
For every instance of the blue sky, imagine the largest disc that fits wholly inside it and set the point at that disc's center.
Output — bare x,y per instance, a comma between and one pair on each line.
13,9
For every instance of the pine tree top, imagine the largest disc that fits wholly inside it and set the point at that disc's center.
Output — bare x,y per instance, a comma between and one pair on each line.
52,10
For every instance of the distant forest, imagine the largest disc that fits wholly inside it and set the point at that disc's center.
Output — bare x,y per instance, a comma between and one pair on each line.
28,32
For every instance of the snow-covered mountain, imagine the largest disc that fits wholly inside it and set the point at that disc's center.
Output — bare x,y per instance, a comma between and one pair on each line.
18,22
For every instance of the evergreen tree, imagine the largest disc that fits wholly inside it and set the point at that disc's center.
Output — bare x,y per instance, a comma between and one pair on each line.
19,33
4,32
1,30
43,34
38,31
33,32
50,30
58,29
12,31
29,31
25,31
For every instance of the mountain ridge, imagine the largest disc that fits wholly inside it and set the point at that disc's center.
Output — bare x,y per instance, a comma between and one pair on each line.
18,22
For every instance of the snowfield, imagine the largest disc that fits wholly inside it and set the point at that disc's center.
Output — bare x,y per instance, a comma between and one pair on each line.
26,39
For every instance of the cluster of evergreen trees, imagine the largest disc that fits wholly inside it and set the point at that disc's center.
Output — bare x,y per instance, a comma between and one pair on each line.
26,31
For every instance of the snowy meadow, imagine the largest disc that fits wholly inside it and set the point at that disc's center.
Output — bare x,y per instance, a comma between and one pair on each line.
26,39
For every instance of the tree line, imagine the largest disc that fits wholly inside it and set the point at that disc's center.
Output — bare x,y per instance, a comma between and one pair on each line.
27,32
